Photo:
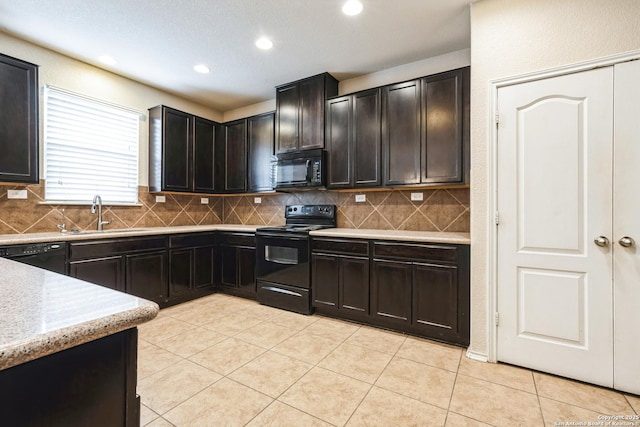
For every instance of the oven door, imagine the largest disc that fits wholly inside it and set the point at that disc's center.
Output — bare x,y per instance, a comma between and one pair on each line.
283,259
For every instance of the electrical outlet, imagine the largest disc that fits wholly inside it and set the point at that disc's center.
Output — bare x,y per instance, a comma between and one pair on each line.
204,200
417,197
361,198
16,194
161,199
257,200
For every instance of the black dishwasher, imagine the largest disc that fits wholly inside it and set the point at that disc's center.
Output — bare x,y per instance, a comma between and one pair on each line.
50,256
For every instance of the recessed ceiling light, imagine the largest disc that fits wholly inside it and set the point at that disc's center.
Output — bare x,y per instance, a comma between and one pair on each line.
107,59
352,7
264,43
201,68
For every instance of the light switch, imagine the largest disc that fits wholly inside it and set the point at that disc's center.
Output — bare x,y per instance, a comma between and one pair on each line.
361,198
417,197
16,194
161,199
204,200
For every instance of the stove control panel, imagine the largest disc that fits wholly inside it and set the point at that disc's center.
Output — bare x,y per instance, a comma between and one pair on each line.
310,211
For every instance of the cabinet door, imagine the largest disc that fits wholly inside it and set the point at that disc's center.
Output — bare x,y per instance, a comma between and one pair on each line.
366,138
228,263
339,152
311,114
203,261
204,138
401,133
260,144
435,299
442,116
391,292
287,104
107,271
177,150
235,157
247,269
18,121
354,284
180,272
147,276
325,279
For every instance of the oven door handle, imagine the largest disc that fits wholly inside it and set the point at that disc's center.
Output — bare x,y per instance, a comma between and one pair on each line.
279,261
287,236
282,291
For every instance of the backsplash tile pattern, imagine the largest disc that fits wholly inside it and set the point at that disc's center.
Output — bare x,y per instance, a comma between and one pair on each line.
29,216
441,210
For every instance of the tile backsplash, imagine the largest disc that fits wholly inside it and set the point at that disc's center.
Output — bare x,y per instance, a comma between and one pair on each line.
440,210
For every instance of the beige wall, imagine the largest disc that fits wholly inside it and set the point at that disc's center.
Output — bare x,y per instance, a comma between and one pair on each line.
67,73
513,37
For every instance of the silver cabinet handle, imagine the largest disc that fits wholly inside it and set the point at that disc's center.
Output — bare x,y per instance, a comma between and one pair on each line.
601,241
626,242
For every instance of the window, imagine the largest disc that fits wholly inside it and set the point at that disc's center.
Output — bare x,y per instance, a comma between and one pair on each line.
91,147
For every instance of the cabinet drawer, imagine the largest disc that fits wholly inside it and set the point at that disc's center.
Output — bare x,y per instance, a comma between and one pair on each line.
191,240
340,246
237,239
417,252
106,247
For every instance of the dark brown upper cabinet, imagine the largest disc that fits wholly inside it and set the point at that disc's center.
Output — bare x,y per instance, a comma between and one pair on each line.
425,130
445,123
204,139
181,151
18,121
353,140
300,112
260,138
401,133
232,157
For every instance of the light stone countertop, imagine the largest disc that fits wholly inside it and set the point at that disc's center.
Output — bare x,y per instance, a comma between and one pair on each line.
16,239
42,312
403,235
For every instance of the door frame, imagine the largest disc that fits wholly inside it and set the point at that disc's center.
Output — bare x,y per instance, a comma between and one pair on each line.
491,247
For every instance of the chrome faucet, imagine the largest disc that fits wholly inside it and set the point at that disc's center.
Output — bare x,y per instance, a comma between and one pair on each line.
97,201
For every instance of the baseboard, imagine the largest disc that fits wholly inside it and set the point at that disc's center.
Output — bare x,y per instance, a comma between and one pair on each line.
480,357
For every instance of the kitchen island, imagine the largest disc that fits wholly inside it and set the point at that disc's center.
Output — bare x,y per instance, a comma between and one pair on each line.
68,350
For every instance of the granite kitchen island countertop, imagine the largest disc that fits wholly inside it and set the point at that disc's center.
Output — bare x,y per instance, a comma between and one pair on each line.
42,312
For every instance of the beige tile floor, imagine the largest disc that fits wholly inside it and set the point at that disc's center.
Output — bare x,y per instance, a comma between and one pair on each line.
226,361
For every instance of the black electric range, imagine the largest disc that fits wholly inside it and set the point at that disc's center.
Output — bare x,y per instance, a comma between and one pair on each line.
283,272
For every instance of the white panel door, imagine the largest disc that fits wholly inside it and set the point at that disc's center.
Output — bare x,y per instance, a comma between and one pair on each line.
555,198
626,211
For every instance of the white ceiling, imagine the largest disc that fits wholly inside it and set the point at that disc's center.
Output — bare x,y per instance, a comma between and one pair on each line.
159,41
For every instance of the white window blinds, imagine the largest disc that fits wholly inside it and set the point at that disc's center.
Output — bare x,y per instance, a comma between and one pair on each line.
91,147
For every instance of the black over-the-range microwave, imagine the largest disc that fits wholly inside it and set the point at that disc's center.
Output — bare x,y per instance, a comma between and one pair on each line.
299,170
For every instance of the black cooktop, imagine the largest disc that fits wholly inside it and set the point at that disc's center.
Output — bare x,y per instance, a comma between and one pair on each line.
302,219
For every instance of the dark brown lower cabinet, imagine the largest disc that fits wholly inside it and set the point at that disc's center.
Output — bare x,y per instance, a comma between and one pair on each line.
341,284
136,265
191,266
238,264
107,271
422,288
147,276
92,384
435,298
418,288
181,266
391,292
